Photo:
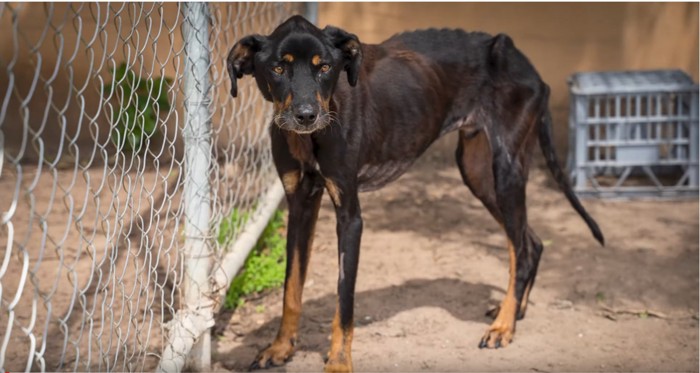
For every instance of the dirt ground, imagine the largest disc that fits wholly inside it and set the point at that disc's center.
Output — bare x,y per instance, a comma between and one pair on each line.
433,261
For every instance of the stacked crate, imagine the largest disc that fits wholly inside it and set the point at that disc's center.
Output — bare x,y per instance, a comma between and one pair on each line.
634,134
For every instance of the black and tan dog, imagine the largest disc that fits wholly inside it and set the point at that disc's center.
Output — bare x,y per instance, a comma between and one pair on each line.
351,117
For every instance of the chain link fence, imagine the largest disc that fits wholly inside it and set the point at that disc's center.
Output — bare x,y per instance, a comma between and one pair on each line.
130,182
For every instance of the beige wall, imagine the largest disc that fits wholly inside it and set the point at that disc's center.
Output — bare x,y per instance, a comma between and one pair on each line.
67,102
68,105
559,38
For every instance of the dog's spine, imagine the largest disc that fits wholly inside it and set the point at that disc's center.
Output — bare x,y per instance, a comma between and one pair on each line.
545,137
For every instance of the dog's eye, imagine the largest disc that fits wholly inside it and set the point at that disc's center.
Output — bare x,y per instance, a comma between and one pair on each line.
325,68
278,70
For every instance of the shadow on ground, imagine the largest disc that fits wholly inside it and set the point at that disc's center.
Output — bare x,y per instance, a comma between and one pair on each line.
463,300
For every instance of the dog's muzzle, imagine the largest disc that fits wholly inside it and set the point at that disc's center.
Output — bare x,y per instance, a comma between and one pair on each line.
302,119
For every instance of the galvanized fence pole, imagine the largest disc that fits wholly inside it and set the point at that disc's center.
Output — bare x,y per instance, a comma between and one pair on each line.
189,333
311,12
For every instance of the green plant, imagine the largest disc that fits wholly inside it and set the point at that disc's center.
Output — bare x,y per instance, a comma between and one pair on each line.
228,226
140,100
600,297
265,266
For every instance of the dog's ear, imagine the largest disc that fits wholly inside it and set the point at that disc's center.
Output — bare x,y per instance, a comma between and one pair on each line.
349,44
240,58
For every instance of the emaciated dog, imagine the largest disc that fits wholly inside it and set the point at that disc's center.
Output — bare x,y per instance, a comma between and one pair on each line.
351,117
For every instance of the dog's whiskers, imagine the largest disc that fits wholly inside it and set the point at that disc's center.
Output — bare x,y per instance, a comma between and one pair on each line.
288,123
333,119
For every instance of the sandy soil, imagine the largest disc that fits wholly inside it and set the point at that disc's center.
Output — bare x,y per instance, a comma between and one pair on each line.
433,261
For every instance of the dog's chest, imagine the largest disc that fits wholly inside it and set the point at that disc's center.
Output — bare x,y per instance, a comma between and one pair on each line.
370,176
301,148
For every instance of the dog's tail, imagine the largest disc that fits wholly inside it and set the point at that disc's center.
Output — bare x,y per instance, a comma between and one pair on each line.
545,137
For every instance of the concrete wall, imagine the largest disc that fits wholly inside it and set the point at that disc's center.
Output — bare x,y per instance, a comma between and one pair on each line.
559,38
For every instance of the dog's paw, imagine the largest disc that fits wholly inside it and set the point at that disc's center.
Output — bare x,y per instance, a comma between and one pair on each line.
276,354
499,335
337,366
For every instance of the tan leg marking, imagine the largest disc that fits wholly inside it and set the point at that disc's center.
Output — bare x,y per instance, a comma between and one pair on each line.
333,191
290,181
523,303
283,346
340,355
500,333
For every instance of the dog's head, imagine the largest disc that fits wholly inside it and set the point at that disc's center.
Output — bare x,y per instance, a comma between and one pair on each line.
297,68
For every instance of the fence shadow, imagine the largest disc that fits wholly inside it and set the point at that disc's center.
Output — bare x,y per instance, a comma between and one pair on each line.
463,300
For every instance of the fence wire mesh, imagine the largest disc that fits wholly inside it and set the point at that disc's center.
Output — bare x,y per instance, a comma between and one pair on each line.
92,172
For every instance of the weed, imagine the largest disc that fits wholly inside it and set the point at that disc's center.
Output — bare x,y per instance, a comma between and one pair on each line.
265,266
229,225
600,297
140,100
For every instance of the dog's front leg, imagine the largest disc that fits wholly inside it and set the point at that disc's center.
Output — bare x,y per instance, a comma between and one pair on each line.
304,198
349,230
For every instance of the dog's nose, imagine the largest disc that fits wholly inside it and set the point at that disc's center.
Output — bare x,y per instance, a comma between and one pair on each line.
305,114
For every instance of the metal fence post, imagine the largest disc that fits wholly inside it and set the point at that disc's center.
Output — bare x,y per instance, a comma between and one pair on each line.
192,334
311,12
197,138
198,153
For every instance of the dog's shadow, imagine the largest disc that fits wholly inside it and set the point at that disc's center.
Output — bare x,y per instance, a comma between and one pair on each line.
463,300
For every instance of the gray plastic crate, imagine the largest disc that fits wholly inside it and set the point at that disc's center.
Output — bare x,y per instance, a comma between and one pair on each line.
634,134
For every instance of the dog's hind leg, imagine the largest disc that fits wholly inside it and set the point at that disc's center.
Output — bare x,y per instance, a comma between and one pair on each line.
535,253
497,175
535,249
304,198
